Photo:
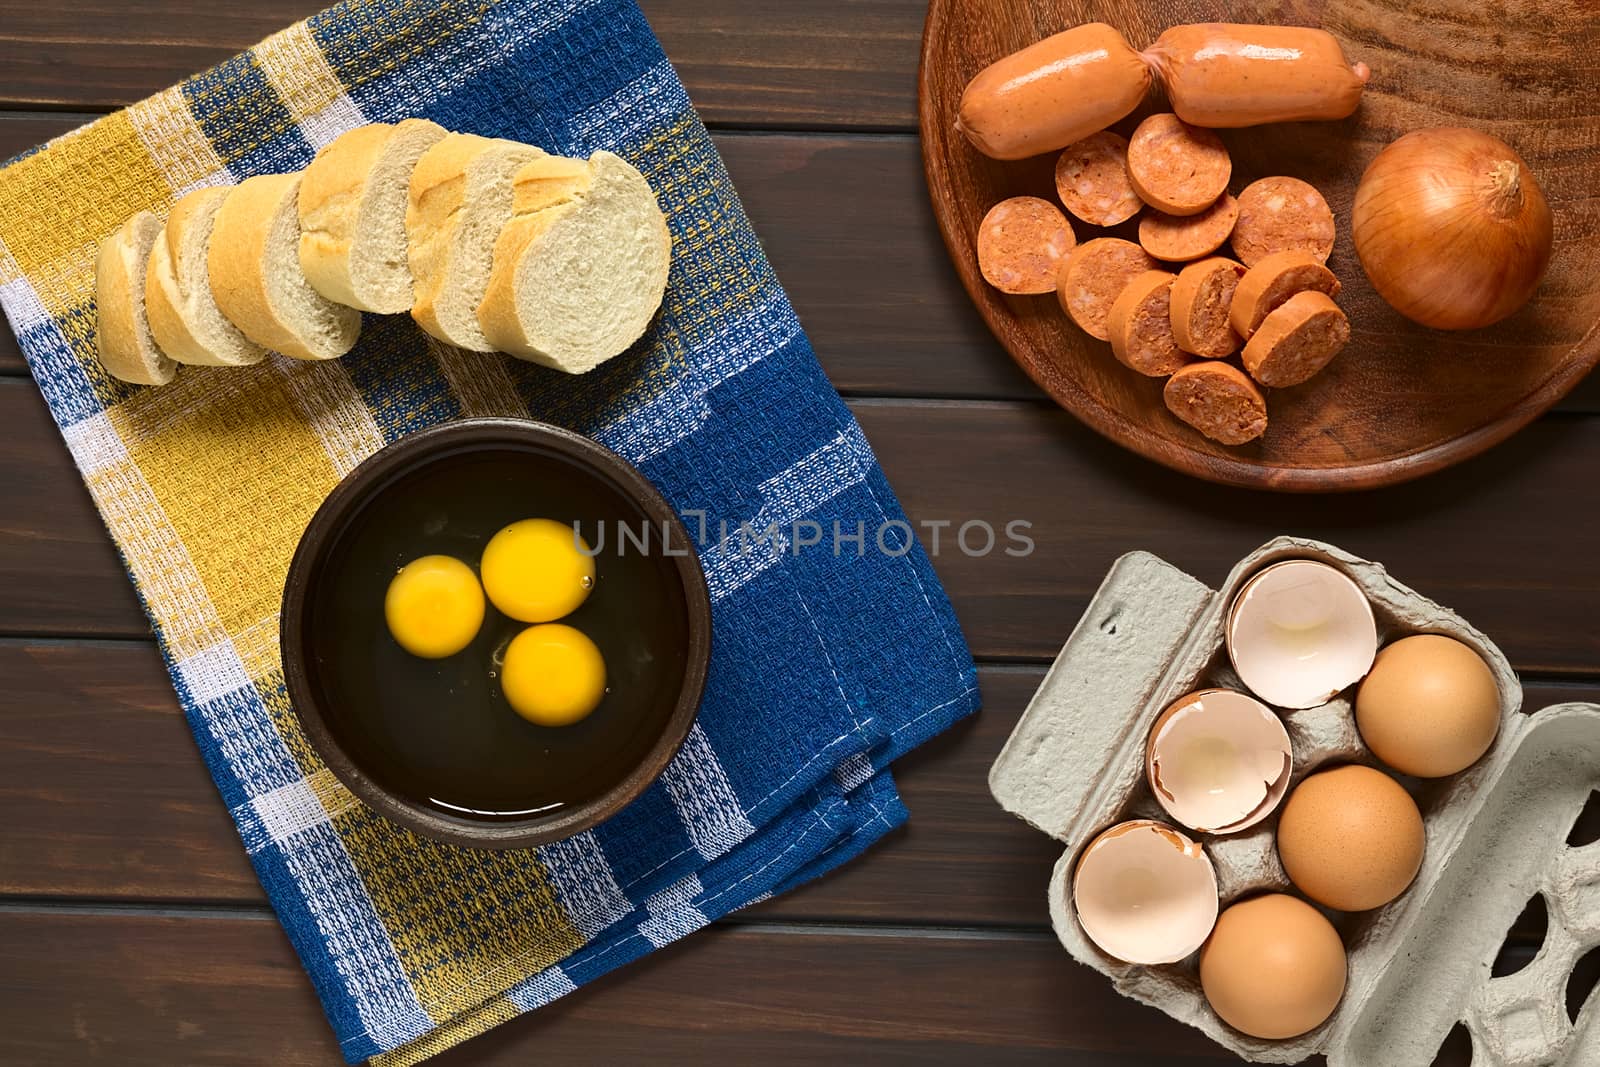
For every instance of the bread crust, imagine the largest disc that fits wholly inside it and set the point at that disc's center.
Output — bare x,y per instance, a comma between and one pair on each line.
174,333
333,197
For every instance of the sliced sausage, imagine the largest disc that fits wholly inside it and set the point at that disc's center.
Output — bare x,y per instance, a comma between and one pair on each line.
1297,340
1180,238
1094,276
1223,75
1282,215
1140,325
1053,93
1177,168
1092,180
1201,299
1219,400
1022,243
1269,283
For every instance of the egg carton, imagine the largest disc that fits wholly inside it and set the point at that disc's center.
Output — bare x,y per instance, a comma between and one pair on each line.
1496,832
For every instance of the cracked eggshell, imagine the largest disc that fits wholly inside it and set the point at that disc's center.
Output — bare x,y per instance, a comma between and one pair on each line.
1145,893
1301,632
1218,761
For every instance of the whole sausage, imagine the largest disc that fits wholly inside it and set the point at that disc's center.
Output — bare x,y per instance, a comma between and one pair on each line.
1053,93
1219,400
1224,75
1297,340
1140,325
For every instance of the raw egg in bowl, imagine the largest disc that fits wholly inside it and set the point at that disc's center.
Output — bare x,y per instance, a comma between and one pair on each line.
496,632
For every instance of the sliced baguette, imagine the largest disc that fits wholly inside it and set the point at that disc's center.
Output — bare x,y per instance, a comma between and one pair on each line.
353,215
581,268
184,318
127,349
461,198
256,277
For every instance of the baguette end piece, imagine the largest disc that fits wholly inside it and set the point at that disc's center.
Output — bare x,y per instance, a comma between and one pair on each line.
127,348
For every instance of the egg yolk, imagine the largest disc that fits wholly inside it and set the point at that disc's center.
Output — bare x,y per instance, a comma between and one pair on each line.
553,675
434,606
537,570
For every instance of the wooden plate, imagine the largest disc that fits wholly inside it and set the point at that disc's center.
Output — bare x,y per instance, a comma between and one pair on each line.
1402,400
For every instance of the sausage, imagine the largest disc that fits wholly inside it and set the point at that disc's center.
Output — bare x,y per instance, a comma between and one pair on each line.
1282,215
1177,168
1052,93
1222,75
1201,299
1022,243
1269,283
1092,180
1094,276
1140,325
1297,340
1219,400
1180,238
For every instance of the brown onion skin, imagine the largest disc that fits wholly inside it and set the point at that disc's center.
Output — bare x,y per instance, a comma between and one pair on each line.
1452,228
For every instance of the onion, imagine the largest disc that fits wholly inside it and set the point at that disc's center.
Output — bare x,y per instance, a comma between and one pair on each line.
1452,228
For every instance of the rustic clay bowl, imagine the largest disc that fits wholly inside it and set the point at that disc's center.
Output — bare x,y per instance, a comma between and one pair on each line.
679,637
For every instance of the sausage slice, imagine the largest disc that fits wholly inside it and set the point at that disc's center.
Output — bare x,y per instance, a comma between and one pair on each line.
1094,276
1177,168
1265,287
1140,325
1092,180
1219,400
1022,243
1180,238
1282,215
1297,340
1201,299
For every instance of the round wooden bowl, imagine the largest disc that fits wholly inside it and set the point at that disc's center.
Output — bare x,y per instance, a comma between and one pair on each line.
1402,400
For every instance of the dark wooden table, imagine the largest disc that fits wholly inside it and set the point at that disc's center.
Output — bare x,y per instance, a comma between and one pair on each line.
131,928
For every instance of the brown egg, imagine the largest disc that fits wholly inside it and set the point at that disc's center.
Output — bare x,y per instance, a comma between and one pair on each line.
1274,967
1351,838
1430,707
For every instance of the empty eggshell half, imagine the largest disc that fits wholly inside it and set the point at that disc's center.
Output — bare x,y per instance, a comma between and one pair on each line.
1218,761
1145,893
1301,632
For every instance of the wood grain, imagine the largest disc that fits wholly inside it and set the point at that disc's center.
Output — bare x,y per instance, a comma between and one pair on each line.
826,63
1401,401
1516,577
137,989
104,797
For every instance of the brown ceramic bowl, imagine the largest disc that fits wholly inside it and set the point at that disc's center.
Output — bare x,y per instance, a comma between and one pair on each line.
432,744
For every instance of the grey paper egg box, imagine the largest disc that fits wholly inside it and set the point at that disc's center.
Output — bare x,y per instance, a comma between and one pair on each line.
1496,832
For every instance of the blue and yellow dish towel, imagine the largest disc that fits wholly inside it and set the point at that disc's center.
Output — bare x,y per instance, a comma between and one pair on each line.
830,660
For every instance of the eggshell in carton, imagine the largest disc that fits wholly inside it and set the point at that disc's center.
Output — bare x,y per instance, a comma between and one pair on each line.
1496,831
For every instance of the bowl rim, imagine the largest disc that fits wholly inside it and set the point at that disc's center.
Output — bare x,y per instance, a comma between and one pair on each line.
377,471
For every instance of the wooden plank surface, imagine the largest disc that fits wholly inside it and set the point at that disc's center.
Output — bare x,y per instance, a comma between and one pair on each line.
1088,501
148,989
104,797
773,63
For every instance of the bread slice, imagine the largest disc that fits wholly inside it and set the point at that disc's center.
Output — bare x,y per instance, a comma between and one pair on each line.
581,269
184,318
127,349
353,215
461,198
256,275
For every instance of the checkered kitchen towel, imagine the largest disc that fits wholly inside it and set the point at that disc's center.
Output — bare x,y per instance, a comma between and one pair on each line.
826,666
